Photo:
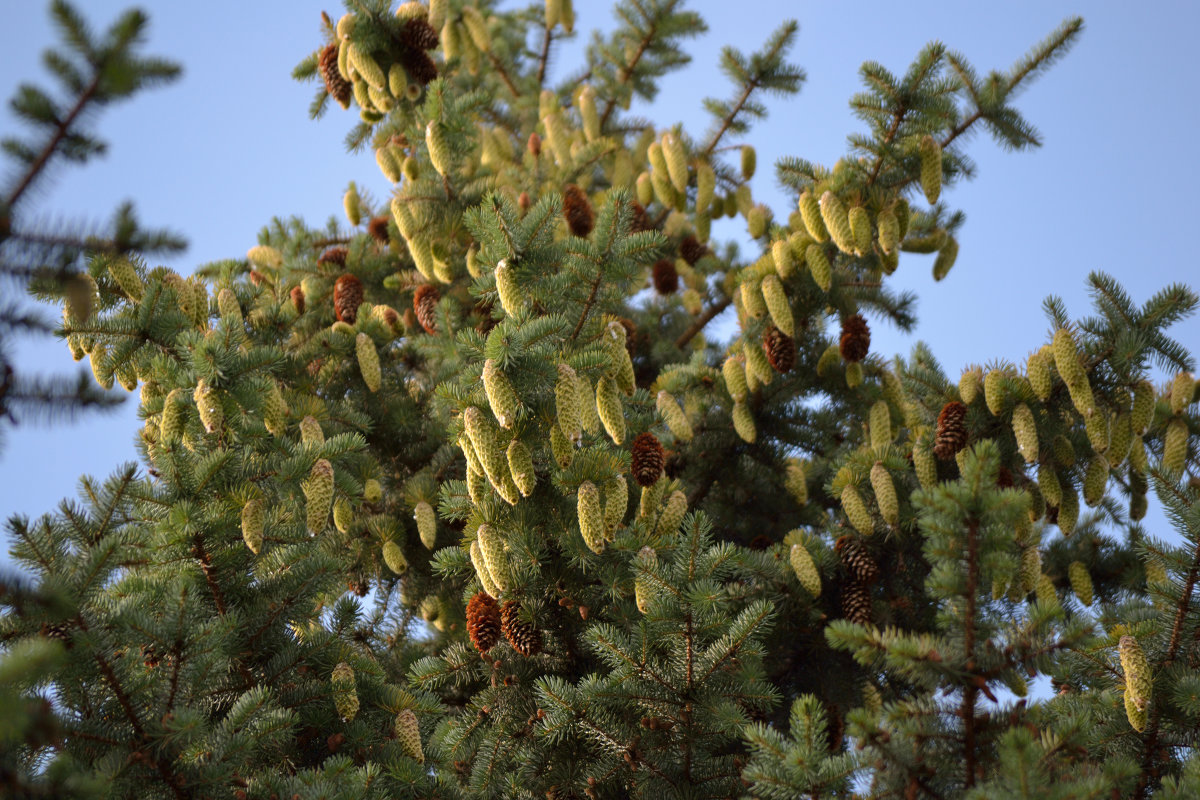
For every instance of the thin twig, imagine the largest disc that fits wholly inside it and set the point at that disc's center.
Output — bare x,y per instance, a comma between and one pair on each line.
60,132
503,74
701,321
545,57
725,123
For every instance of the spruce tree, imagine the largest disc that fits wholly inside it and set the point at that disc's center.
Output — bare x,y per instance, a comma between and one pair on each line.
460,498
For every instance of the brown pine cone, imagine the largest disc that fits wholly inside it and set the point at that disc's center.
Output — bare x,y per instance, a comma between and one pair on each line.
640,222
951,430
298,299
534,144
856,602
648,459
425,301
334,255
691,249
483,621
419,65
856,338
378,228
347,297
578,211
780,349
338,87
665,276
418,35
524,638
856,559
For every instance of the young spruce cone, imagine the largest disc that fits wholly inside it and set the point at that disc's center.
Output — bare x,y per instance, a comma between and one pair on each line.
578,211
648,459
951,430
425,301
334,255
524,638
483,621
298,299
691,249
856,602
856,559
780,349
856,338
338,87
347,297
378,228
418,35
665,276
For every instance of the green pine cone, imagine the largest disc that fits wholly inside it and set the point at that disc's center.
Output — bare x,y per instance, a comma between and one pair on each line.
778,305
643,589
608,406
1025,431
426,519
1038,371
672,515
880,426
368,361
489,447
343,515
757,363
1095,479
1046,593
1081,582
743,423
253,522
568,404
651,498
1068,510
509,292
931,168
837,222
925,465
520,464
274,409
481,570
1182,390
1070,367
994,392
394,558
345,695
946,257
856,511
860,229
561,447
889,231
372,491
1121,439
752,298
1136,669
970,385
318,492
805,569
126,276
810,212
1142,413
491,547
796,483
587,404
1031,569
676,421
477,485
616,503
854,374
706,184
208,403
885,494
734,372
408,734
1175,446
1049,485
174,416
676,158
310,432
818,267
1097,427
439,148
591,517
1136,711
500,394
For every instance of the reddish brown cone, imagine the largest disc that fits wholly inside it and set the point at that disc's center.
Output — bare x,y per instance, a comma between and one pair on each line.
524,638
780,349
334,255
418,35
640,222
951,430
298,299
425,301
856,602
483,621
338,87
648,459
578,211
691,249
378,228
857,559
856,338
347,297
665,276
419,65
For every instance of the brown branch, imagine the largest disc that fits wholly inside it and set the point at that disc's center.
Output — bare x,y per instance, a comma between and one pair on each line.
503,74
587,306
60,132
209,577
701,321
725,123
627,71
544,59
897,118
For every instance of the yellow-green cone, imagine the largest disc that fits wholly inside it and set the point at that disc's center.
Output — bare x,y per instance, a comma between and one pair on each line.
854,374
757,363
274,409
781,255
253,522
481,570
734,372
1046,593
500,394
622,366
520,464
889,231
1138,681
477,485
1048,484
1068,510
372,491
818,267
970,385
491,546
1175,446
1025,431
860,229
1038,371
947,255
310,432
672,515
568,404
885,494
810,212
318,493
674,417
752,299
643,589
856,511
561,447
925,465
676,159
1142,412
1031,569
706,184
743,423
837,222
1183,389
1094,480
1081,582
591,517
1121,439
931,168
426,519
778,305
881,426
796,483
608,406
651,498
173,417
489,447
394,558
805,569
616,503
749,162
408,734
352,205
1070,367
756,221
994,392
345,695
343,515
587,107
126,276
368,361
1096,425
439,148
511,299
208,403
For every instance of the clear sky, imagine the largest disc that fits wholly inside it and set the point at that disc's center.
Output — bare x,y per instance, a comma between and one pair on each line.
230,145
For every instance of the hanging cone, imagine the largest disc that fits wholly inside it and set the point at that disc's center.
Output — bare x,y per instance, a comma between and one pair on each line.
780,349
578,211
425,301
483,621
664,276
347,297
857,559
648,459
523,636
338,87
856,338
951,430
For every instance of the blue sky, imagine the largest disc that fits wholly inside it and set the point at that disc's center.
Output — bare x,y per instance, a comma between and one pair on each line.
230,145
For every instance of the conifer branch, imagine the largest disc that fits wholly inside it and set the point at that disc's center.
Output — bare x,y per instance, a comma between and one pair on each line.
51,147
702,320
503,73
544,58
